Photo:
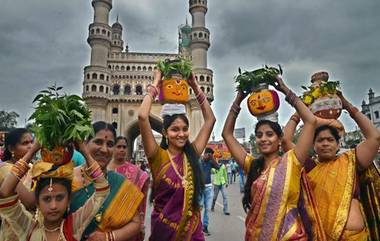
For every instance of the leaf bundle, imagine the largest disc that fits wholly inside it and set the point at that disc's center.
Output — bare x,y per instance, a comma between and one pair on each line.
180,66
250,80
60,119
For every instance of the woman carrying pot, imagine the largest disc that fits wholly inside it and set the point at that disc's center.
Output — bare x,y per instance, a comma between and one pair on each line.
278,207
177,177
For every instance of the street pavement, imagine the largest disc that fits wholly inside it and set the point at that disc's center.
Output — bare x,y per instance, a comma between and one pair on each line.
221,227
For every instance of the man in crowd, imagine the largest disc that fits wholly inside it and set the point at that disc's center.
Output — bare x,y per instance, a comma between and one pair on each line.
208,163
220,184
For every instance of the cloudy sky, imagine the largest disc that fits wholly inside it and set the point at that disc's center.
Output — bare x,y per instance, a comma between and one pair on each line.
44,42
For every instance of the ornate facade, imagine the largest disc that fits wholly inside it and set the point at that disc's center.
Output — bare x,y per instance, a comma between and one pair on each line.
115,80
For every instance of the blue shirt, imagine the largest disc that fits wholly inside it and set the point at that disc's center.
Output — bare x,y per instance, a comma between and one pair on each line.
206,168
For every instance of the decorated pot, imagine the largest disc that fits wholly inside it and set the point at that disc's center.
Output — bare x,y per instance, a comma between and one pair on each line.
58,156
327,107
174,90
263,101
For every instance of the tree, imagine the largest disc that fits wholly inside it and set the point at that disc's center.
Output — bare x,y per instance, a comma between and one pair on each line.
252,142
8,120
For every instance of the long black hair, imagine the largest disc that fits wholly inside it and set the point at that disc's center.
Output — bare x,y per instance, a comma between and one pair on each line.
11,140
257,165
191,155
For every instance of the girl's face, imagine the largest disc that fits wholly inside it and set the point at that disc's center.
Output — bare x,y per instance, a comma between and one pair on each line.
267,140
177,133
101,147
23,146
325,146
53,202
120,151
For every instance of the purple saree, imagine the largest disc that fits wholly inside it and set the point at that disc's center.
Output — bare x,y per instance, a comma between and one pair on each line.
173,217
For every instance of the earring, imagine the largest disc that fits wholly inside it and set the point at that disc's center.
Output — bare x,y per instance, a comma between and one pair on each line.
13,154
68,209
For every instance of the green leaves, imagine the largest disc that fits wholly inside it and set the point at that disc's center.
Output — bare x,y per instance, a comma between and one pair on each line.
60,119
178,66
249,80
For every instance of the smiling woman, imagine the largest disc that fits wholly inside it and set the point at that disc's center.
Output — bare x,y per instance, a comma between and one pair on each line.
118,217
175,166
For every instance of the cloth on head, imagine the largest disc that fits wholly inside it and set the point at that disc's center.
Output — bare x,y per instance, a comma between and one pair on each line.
173,109
272,117
43,169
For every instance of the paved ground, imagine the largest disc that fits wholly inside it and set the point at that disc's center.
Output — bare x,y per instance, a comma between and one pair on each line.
222,227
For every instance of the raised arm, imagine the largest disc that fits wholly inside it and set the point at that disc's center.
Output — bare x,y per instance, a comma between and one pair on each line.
204,133
305,140
289,131
147,136
19,169
366,151
237,151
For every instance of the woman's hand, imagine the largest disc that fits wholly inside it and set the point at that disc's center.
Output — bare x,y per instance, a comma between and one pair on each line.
192,81
345,103
240,96
280,85
97,236
157,78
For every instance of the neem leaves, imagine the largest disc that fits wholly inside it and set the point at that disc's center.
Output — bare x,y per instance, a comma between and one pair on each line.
180,66
249,80
60,119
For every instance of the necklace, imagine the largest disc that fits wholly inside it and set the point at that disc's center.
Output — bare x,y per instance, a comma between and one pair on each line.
61,236
183,178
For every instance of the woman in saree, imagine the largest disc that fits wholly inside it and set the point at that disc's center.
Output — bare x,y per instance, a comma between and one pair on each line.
53,193
334,179
133,173
177,177
118,218
277,200
17,143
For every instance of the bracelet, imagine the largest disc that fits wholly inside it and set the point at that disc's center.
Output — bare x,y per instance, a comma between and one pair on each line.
235,110
152,90
107,236
113,236
295,118
20,168
291,98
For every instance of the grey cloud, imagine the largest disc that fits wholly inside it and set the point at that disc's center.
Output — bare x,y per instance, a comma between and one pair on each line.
43,42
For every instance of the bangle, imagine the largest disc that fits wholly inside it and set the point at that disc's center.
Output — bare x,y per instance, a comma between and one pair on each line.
235,110
112,234
291,98
20,168
295,118
107,236
152,90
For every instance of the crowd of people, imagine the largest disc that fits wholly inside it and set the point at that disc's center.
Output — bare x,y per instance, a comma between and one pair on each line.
288,194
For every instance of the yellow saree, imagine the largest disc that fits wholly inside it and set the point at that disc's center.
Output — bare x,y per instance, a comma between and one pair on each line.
284,209
333,185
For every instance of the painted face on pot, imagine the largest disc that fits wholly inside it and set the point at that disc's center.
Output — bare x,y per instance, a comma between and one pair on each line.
177,133
101,147
175,89
267,140
263,102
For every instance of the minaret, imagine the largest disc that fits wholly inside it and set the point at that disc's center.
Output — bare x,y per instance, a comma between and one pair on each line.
200,42
117,40
97,75
184,40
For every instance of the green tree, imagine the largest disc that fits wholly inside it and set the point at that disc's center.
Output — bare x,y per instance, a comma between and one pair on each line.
252,142
8,120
